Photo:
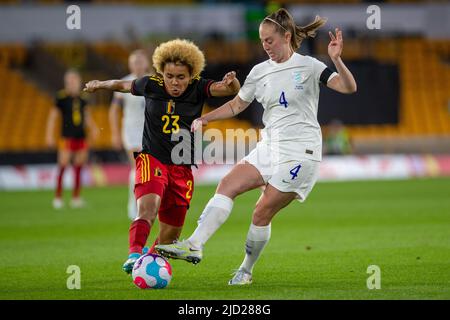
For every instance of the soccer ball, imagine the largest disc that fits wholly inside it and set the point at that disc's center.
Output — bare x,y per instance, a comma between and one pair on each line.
152,271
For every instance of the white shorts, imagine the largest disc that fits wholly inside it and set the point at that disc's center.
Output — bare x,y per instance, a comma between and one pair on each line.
132,139
297,176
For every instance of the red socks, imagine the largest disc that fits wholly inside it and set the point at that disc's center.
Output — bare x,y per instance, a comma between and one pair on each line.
77,181
139,231
59,181
152,249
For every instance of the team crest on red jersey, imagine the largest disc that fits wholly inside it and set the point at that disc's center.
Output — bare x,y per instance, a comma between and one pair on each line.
170,109
158,172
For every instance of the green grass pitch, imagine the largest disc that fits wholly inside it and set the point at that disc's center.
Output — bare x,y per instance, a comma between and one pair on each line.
319,250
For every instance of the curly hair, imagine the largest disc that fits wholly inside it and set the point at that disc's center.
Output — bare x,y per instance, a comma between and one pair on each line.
179,51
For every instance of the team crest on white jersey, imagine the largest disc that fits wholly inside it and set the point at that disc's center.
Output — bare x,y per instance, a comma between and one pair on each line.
298,79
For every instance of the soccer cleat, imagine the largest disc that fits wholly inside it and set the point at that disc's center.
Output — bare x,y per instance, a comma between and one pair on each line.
180,250
77,203
58,203
241,277
129,264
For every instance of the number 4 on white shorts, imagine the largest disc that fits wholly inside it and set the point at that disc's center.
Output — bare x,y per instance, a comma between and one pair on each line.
294,171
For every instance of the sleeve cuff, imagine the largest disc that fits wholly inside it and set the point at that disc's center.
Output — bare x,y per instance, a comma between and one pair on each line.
208,88
334,74
241,95
132,90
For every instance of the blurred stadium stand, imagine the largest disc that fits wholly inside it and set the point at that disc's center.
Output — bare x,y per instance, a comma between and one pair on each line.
402,104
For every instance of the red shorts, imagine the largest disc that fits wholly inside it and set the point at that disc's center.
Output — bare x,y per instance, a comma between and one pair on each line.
74,144
173,183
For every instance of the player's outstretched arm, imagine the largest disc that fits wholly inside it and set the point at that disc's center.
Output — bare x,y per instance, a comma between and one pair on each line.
228,110
228,86
114,85
344,82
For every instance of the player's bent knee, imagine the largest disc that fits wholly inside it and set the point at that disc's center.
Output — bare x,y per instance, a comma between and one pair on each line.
64,159
79,161
147,211
229,189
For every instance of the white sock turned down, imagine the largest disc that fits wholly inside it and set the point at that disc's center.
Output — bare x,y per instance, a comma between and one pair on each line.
257,238
214,215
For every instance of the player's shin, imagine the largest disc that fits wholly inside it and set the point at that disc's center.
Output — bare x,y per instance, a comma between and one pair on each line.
214,215
77,181
59,182
257,238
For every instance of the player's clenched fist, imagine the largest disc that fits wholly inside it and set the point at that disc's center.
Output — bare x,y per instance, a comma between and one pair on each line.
198,123
92,85
229,77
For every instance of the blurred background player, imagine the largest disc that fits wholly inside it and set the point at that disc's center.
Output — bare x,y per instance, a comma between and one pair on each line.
132,121
174,98
74,111
336,139
287,158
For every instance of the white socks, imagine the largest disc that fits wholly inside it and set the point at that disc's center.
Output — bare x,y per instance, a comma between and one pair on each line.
132,207
257,239
214,215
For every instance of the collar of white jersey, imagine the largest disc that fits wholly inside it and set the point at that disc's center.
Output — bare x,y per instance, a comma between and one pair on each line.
285,62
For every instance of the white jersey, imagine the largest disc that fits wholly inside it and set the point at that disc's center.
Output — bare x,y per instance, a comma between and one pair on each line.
289,93
133,117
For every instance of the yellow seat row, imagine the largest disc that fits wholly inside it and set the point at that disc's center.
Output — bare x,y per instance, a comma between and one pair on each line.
424,95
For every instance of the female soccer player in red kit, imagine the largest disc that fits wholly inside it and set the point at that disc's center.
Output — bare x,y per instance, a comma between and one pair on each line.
174,98
75,113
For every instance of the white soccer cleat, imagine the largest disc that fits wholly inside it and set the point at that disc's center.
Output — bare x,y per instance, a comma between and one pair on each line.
180,250
57,203
241,277
77,203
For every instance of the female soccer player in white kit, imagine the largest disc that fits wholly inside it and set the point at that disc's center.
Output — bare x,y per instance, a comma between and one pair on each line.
287,158
132,122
